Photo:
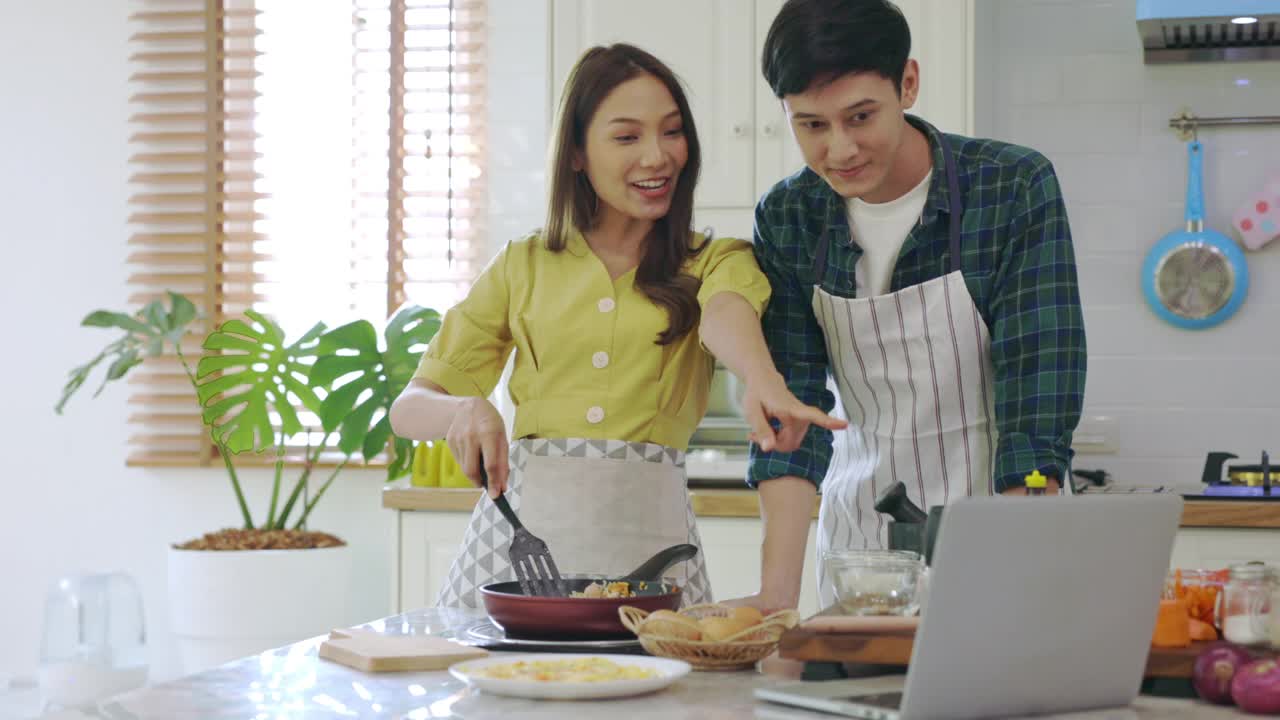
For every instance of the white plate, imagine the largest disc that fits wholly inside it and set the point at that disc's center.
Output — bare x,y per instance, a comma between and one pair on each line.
668,672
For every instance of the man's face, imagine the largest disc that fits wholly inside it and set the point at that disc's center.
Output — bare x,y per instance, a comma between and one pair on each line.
850,130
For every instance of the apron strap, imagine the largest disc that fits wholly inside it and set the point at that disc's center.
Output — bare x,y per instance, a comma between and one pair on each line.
953,192
820,259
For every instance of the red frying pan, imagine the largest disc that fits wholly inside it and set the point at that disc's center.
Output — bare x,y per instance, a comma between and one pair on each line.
574,618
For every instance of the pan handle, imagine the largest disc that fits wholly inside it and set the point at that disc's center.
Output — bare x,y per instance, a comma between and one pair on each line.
501,501
1195,186
653,568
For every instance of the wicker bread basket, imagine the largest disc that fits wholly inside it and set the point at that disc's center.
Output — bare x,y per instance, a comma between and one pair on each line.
739,651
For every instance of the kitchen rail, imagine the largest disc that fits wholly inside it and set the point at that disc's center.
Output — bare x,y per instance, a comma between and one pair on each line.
1188,124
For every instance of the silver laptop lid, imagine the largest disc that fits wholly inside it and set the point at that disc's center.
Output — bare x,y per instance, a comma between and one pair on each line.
1040,605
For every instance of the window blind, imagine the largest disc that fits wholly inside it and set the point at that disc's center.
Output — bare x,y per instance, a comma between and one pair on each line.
319,167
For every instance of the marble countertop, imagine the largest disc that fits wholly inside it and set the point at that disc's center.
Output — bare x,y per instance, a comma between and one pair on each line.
293,682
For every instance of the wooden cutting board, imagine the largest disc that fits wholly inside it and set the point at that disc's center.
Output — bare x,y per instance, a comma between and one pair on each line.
374,652
812,642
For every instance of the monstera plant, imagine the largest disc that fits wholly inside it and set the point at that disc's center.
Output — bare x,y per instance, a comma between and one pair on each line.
250,383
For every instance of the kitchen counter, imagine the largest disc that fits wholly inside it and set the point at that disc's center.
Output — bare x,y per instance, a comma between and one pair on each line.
744,503
707,502
293,682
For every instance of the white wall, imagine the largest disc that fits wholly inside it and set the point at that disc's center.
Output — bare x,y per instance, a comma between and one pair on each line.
1067,78
519,117
68,504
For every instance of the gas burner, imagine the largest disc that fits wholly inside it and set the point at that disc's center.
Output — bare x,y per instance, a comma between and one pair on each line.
1241,481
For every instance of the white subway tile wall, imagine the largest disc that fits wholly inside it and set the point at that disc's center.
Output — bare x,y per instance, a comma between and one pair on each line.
1066,77
518,117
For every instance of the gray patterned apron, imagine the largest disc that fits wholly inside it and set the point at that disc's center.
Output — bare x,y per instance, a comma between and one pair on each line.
602,506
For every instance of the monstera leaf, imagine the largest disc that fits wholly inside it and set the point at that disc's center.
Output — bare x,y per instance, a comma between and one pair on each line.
256,375
145,336
366,380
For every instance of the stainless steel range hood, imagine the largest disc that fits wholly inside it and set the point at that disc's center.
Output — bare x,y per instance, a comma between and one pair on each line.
1209,30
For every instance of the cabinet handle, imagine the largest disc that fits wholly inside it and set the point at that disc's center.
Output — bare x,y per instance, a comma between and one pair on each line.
769,130
739,129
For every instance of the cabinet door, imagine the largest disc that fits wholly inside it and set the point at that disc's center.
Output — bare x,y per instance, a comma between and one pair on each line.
777,154
427,545
732,548
942,42
1217,548
708,44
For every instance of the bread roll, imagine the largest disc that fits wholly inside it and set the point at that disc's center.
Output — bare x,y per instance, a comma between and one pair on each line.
665,623
717,629
748,614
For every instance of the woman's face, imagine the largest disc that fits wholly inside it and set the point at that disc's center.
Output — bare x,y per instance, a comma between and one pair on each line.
635,149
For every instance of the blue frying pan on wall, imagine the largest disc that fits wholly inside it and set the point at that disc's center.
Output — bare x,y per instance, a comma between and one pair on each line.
1197,277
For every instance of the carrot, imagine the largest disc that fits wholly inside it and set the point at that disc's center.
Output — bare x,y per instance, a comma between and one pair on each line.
1200,598
1201,630
1173,625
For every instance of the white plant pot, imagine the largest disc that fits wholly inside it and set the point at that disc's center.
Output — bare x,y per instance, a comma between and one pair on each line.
226,604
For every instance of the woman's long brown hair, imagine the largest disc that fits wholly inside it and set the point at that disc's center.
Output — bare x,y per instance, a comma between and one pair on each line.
573,202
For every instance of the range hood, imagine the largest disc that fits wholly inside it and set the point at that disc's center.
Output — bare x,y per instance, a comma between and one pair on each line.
1209,30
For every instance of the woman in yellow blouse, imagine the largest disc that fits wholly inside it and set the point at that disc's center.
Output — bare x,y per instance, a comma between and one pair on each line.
615,310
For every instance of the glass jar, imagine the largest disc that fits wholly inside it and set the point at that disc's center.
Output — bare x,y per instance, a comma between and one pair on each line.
94,640
1199,589
1245,607
1273,622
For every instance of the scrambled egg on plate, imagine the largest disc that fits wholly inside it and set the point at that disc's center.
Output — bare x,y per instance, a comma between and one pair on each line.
593,669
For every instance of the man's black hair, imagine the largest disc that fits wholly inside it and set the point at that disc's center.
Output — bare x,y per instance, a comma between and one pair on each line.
818,41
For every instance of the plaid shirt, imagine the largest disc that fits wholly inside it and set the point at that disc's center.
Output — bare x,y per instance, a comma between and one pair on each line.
1018,265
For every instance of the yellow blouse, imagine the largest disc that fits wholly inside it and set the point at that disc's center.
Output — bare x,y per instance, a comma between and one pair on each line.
586,362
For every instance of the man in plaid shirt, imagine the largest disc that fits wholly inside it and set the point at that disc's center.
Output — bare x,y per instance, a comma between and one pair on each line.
926,280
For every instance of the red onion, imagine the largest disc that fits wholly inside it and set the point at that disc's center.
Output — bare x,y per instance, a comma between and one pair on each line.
1214,669
1256,687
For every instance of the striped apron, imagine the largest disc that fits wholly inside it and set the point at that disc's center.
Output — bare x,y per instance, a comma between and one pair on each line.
912,370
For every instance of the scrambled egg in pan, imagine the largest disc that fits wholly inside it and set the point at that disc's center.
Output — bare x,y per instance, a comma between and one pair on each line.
593,669
605,590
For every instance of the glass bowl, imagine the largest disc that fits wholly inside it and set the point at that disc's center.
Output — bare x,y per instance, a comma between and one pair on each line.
877,582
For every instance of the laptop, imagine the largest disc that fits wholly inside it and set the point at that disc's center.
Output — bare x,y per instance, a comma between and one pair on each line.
1036,605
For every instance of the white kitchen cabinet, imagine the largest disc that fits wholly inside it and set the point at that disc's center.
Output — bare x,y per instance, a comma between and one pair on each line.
1214,548
776,153
710,46
732,547
425,543
715,47
942,42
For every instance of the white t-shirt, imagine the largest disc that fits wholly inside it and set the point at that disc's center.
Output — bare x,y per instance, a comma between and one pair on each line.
880,229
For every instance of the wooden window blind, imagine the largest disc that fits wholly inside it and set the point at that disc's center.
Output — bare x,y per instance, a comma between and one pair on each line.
320,162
